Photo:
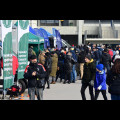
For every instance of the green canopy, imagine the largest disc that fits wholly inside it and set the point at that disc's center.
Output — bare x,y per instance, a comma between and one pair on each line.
33,39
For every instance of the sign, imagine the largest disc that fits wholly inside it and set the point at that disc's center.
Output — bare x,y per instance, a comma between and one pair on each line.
6,28
23,37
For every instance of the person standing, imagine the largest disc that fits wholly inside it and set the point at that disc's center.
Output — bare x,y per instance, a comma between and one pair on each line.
42,58
54,66
106,60
88,77
35,73
113,81
100,82
81,61
48,66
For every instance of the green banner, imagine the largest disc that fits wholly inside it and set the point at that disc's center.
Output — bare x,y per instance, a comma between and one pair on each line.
23,36
6,28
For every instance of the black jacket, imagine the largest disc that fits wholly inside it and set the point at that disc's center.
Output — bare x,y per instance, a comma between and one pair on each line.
33,81
113,82
68,63
105,59
89,72
81,57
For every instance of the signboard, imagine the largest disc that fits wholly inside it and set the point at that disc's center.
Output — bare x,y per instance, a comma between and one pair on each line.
23,37
6,28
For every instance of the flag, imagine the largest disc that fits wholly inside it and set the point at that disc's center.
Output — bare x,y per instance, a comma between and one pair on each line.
7,51
58,39
23,37
46,39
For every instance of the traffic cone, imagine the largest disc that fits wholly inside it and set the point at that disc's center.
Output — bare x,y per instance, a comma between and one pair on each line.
22,97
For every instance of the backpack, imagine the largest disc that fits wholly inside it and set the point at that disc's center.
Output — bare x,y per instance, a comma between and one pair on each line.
14,89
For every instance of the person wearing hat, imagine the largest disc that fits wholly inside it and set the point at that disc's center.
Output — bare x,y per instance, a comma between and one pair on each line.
42,58
35,73
88,77
100,82
106,60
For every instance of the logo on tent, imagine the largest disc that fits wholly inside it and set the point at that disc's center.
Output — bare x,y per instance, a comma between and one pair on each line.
24,24
7,23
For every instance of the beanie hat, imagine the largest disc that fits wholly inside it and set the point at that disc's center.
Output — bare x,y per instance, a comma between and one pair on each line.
100,67
33,57
88,56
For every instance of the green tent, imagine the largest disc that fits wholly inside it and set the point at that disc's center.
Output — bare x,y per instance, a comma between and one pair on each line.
36,42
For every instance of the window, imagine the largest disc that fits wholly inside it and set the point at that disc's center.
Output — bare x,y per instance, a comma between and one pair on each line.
49,22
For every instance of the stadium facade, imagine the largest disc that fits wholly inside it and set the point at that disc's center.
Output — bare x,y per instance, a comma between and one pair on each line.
77,31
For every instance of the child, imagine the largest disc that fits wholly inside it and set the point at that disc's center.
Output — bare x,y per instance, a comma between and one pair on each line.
100,82
13,91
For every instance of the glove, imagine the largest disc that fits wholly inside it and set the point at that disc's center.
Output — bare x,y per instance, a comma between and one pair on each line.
99,88
91,82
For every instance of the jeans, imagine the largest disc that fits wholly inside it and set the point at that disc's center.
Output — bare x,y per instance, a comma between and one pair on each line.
31,92
115,97
39,92
73,74
97,62
107,66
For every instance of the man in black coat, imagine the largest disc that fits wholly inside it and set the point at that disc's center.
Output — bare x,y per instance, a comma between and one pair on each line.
68,65
106,60
35,73
88,77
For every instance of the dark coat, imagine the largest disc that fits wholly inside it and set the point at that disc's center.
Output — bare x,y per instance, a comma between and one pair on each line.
89,72
113,82
68,64
105,59
81,57
33,81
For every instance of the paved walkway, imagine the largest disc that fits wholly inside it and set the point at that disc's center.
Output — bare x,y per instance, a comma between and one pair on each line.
60,91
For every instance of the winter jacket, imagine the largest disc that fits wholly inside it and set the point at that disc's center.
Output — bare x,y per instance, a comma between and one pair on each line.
68,64
48,62
105,59
15,64
89,72
33,81
110,52
114,84
100,80
41,59
54,65
81,57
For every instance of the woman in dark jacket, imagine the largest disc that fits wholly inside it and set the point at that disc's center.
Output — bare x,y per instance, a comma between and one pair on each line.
113,81
68,64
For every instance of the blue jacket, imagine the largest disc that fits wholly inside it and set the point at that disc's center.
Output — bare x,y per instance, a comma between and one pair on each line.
100,80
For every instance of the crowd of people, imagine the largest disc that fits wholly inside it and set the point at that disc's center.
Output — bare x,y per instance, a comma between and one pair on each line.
96,66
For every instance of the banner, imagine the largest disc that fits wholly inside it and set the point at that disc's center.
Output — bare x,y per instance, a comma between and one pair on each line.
58,39
46,39
23,37
6,28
